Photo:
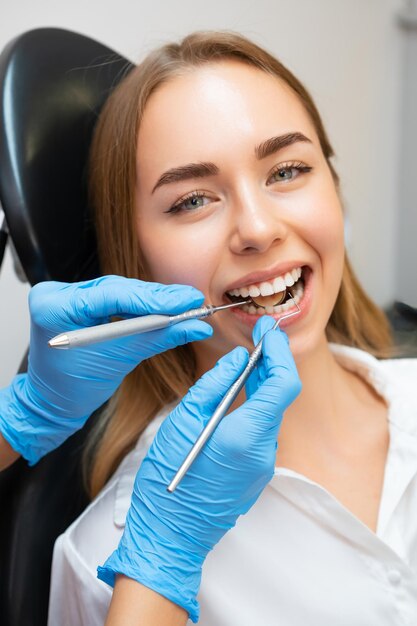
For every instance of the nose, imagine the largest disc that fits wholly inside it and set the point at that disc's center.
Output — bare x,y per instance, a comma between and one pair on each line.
258,223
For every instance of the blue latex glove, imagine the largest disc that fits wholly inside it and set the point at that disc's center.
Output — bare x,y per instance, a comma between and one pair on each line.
42,408
168,535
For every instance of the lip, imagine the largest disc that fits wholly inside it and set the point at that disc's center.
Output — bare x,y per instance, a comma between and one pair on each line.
304,304
265,275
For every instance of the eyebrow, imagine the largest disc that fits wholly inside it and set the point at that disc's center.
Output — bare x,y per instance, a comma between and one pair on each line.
201,170
183,172
273,145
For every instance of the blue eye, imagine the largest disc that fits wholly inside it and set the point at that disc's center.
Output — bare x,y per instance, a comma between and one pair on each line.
193,202
288,172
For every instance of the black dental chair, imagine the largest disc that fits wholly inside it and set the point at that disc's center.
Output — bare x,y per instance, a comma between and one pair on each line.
53,83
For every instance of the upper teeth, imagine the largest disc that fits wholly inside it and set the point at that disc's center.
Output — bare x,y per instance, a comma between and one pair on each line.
268,287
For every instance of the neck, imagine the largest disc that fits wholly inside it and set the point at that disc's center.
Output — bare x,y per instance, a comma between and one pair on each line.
332,402
325,384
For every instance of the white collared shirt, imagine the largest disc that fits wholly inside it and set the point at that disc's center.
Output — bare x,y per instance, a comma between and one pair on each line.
297,558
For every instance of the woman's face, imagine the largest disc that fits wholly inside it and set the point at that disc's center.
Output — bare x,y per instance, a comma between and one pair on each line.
234,195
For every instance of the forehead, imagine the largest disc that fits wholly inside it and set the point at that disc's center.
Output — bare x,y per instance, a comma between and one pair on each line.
220,104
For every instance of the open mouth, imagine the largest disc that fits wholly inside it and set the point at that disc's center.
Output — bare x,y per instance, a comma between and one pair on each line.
272,297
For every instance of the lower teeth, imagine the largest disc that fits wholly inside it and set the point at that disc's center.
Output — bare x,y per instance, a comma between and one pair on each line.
297,292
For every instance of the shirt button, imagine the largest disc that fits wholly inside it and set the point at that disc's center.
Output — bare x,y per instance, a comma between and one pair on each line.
394,576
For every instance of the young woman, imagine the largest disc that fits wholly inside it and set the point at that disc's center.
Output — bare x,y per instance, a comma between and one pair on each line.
211,168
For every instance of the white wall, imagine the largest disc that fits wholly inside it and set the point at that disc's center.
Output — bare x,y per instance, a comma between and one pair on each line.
405,279
347,53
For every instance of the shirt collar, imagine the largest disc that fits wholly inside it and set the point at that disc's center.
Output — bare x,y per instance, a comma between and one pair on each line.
393,380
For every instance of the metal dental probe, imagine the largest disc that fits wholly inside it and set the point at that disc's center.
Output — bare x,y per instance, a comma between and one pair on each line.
133,326
224,406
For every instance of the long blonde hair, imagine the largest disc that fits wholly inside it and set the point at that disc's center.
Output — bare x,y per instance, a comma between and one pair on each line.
355,320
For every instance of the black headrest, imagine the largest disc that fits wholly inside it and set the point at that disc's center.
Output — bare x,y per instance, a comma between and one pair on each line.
53,83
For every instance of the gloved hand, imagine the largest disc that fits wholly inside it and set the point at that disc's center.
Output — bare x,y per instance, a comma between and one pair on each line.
168,535
61,389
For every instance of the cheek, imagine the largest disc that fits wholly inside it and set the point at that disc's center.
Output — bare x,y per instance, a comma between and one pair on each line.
328,240
324,225
327,235
178,255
